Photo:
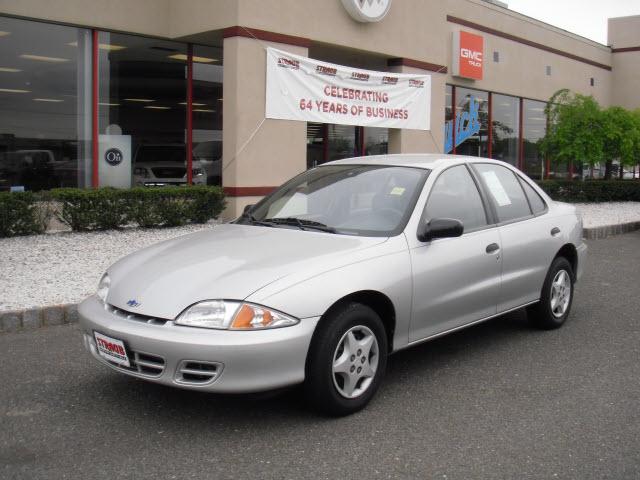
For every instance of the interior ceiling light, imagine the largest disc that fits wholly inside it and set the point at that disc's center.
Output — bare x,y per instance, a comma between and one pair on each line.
193,104
42,58
10,70
155,107
13,90
203,110
142,100
102,46
4,34
183,57
52,100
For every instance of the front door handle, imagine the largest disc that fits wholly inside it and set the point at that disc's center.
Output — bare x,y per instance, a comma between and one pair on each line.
555,231
492,247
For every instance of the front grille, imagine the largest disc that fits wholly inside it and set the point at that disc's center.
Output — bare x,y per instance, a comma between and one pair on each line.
143,363
118,312
169,172
193,372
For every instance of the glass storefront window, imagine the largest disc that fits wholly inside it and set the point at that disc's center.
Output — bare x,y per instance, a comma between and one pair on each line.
477,144
341,142
207,112
505,128
44,123
142,98
534,126
376,141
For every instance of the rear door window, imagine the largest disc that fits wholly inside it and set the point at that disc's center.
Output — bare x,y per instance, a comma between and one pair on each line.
535,200
504,191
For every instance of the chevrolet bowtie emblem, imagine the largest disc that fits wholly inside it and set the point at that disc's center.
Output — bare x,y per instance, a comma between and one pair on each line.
133,303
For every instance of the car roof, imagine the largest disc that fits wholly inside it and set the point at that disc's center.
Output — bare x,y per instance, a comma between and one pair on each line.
431,161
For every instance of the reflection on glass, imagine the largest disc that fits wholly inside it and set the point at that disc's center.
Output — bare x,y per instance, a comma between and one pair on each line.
341,142
534,125
44,84
505,134
142,114
315,144
376,141
207,112
477,145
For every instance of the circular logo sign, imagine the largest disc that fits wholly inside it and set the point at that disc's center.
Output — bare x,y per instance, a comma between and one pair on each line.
113,157
367,10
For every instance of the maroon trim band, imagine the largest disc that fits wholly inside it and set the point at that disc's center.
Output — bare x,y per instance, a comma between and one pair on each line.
248,191
189,149
408,62
240,31
626,49
524,41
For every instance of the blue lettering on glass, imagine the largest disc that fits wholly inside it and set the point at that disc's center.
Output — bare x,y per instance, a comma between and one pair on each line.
467,125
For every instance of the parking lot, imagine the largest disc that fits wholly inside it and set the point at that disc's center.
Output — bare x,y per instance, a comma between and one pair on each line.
498,400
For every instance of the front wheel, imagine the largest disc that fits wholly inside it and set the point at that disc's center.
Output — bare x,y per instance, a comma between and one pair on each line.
346,360
556,297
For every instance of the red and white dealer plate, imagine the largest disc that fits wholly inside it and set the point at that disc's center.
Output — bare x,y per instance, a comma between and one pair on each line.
112,349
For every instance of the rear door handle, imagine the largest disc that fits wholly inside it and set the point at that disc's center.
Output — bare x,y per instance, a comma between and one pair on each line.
492,247
555,231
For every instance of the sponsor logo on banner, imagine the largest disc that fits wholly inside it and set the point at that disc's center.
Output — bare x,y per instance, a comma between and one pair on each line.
367,10
312,91
468,55
288,63
363,77
324,70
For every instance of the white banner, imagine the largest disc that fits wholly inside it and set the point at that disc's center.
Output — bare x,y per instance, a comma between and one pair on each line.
300,88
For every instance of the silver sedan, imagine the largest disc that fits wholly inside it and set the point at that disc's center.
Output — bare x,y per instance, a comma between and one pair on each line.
338,268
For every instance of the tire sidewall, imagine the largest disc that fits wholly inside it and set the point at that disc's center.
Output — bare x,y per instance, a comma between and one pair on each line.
558,264
320,361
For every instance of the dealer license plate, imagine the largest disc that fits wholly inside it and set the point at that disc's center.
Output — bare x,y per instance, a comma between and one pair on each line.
112,349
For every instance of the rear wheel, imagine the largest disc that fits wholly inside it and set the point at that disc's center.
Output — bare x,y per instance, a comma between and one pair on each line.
556,297
346,360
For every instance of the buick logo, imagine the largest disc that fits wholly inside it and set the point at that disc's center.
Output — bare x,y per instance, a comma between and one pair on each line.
367,10
113,157
133,303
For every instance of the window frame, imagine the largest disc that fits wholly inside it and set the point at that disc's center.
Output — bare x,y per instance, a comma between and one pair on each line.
522,180
488,211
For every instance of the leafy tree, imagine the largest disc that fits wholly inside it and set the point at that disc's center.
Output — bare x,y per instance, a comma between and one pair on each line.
575,129
621,138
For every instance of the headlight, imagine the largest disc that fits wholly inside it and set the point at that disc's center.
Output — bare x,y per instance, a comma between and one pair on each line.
197,172
103,288
228,315
141,172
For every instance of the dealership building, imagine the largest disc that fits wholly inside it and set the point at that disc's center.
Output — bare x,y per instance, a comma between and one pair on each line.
247,93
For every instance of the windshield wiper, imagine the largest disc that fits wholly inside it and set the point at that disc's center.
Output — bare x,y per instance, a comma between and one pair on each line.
301,223
249,216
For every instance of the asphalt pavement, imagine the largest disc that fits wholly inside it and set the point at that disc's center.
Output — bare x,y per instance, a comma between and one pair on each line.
498,400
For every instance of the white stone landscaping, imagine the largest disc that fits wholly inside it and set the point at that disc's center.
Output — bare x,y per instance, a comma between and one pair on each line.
64,268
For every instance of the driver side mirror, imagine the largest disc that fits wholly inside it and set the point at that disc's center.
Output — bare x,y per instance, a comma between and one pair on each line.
247,208
440,228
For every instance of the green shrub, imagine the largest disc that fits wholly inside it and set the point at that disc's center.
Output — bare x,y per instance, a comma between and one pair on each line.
592,190
109,208
87,209
22,214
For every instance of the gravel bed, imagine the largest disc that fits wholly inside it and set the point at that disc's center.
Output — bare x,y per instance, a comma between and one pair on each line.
61,268
64,268
608,213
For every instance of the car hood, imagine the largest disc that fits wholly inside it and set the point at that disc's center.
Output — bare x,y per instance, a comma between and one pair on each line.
229,261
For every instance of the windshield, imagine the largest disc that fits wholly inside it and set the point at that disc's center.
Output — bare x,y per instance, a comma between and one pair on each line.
348,199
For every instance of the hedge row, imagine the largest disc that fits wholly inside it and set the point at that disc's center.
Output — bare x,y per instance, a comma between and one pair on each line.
592,190
25,213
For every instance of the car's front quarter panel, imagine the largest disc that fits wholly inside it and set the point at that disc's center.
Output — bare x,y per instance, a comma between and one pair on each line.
385,268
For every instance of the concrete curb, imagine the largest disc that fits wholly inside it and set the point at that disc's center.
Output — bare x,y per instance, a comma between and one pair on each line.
609,230
38,317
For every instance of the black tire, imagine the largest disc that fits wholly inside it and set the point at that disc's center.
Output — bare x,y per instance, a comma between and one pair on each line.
320,388
541,314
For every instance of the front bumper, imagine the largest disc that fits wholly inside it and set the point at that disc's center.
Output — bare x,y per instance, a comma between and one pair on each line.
241,361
